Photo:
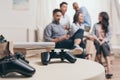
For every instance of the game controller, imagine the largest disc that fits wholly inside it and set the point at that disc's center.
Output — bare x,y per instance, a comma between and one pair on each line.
20,55
47,56
11,64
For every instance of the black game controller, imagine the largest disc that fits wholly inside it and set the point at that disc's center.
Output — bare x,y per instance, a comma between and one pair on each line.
47,56
2,39
11,64
20,55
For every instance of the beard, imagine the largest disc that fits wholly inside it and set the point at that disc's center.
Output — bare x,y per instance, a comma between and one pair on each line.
57,21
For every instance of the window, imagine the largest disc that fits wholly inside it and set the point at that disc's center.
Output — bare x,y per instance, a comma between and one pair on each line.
119,1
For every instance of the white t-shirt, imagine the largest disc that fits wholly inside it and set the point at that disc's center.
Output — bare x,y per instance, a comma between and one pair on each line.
65,21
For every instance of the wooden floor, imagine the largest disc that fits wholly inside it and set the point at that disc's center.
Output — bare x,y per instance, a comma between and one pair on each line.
116,69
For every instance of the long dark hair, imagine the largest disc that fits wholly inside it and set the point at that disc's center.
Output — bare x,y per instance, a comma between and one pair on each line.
105,21
75,18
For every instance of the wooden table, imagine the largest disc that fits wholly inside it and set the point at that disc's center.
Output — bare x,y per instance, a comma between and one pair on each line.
33,48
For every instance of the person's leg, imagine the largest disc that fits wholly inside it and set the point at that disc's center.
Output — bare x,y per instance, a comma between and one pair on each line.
82,54
90,49
72,43
77,41
106,52
67,44
98,51
78,36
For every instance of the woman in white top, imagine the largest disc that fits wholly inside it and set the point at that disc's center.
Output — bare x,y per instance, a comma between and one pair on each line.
76,27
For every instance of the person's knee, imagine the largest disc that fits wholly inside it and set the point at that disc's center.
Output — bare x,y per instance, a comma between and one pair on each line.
80,30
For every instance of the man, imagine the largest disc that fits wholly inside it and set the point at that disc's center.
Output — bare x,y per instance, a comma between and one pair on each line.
64,21
54,32
84,11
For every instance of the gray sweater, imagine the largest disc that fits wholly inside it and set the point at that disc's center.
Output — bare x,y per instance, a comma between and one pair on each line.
53,30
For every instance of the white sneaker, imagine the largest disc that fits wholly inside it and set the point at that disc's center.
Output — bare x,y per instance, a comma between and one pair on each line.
77,50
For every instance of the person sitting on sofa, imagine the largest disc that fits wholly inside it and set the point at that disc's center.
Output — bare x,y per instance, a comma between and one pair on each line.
102,35
88,38
54,32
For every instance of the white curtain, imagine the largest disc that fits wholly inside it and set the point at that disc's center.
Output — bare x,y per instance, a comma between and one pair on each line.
114,11
44,15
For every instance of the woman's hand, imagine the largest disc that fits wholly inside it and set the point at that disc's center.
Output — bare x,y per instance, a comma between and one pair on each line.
101,41
90,37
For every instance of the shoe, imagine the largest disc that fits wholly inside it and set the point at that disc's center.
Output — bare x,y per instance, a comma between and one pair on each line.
109,76
76,50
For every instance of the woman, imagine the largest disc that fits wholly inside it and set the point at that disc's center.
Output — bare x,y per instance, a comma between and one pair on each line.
75,27
77,31
102,37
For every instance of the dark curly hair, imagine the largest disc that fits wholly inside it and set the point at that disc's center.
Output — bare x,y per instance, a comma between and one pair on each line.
105,21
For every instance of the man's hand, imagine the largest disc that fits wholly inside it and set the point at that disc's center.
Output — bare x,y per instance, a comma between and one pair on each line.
64,37
66,27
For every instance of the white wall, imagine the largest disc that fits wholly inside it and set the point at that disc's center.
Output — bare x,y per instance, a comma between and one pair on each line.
10,18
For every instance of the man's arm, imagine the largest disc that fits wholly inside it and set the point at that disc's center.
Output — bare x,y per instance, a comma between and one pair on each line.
48,35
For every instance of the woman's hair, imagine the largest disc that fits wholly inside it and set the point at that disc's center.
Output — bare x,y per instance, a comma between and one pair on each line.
105,21
75,18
